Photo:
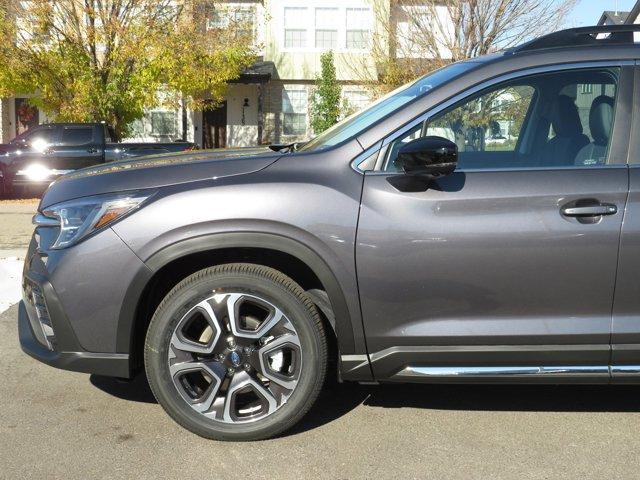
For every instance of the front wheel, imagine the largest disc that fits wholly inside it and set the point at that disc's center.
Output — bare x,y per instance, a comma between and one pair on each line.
236,352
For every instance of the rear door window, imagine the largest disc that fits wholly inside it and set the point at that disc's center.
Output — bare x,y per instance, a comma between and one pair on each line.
77,135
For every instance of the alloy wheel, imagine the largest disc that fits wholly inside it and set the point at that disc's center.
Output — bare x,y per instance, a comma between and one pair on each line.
235,357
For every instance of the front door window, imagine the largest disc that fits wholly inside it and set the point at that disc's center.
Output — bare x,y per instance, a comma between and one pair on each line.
563,119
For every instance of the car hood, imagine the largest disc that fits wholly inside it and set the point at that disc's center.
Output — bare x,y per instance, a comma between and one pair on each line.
157,171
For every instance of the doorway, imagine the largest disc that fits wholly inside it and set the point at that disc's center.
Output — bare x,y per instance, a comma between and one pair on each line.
214,127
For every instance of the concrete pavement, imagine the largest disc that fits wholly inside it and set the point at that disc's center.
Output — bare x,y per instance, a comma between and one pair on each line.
57,424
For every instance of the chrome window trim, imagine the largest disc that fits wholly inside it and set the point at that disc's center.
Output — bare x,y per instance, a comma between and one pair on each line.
511,169
482,86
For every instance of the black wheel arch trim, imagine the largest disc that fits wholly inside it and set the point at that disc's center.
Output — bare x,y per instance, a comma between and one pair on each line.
344,326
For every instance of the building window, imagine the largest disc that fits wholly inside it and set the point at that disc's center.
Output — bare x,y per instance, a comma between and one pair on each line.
244,23
241,20
217,20
358,21
163,124
294,109
586,88
326,31
356,100
294,35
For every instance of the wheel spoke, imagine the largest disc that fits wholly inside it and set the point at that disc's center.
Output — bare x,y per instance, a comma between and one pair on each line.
288,341
214,371
180,342
241,381
273,315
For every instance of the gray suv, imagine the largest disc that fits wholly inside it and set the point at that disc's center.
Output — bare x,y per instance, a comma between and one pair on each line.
481,224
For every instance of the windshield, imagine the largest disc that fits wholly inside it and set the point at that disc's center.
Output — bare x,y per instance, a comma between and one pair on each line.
360,121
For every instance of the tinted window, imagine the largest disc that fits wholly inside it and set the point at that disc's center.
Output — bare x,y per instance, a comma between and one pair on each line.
77,136
44,134
491,122
551,120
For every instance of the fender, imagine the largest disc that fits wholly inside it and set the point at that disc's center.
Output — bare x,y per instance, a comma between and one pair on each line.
344,327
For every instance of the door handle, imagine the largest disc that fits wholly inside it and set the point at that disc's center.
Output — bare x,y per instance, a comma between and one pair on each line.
590,210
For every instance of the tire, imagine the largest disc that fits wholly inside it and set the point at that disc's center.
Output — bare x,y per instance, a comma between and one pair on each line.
236,352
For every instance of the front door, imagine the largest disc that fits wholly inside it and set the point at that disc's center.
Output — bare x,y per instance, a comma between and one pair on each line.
510,261
214,127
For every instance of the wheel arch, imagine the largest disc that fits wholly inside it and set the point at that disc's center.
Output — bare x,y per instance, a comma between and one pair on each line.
218,247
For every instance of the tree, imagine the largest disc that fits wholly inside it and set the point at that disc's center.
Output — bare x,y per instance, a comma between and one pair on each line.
325,102
109,60
416,36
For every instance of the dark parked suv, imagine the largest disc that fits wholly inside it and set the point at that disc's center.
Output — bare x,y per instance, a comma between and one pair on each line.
481,224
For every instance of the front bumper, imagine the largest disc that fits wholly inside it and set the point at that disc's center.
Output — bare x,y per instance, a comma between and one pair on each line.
72,303
109,364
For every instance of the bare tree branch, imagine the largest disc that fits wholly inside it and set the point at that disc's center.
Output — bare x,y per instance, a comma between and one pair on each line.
416,36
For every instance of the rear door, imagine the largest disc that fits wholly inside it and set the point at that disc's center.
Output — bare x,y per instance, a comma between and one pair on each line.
509,264
625,335
78,147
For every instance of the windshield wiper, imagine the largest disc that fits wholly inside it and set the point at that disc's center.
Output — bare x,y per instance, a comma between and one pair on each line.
283,147
286,147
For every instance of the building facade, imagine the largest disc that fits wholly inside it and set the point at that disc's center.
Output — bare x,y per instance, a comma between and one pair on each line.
270,102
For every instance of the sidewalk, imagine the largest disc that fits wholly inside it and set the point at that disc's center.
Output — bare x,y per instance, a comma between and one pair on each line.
15,234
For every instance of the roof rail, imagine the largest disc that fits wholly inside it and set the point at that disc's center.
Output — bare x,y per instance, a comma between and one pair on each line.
583,36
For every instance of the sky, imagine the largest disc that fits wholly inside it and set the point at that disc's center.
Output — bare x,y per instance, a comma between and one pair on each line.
587,12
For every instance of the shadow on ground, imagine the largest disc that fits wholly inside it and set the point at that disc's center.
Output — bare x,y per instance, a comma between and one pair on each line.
136,390
338,400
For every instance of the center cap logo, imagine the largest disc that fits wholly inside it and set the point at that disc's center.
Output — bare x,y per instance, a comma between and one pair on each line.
234,357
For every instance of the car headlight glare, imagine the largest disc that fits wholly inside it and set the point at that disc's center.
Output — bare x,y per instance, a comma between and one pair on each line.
81,217
36,172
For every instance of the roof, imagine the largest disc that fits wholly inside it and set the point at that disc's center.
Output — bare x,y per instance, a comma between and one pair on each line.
611,17
600,35
260,72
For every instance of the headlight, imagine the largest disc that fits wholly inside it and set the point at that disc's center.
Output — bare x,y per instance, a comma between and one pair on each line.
81,217
35,172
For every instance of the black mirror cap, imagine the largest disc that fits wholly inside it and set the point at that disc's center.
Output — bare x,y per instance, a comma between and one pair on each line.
433,156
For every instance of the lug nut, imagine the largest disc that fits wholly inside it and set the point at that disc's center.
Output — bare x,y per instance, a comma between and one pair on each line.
247,350
247,367
231,371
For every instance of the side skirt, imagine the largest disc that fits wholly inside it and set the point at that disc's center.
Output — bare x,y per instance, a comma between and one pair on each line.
587,364
504,374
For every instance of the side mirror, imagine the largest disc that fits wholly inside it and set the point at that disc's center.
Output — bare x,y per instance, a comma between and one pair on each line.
428,156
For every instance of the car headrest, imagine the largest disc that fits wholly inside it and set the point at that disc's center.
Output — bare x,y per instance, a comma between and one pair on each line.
601,119
564,117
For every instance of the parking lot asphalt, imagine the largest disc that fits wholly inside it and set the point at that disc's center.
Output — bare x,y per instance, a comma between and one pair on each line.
57,424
